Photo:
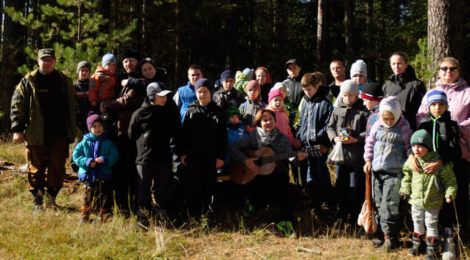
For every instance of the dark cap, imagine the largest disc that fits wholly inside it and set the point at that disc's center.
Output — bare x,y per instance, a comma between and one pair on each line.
372,91
47,52
227,74
203,82
130,53
156,88
291,61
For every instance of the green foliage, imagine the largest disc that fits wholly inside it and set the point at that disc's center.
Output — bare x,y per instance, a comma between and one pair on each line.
421,62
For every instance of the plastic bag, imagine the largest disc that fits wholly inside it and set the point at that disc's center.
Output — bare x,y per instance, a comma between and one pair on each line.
336,156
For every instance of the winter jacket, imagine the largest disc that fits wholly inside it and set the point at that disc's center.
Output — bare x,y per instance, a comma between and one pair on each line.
409,91
428,190
81,94
355,117
154,128
314,114
249,109
26,114
334,92
282,122
280,145
183,98
294,91
89,149
458,98
226,99
241,80
387,148
104,85
445,136
204,134
374,116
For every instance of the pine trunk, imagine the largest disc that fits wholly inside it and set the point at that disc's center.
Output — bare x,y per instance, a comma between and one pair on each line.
348,13
320,18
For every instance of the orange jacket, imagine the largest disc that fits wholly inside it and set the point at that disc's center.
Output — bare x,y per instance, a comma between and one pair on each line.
102,85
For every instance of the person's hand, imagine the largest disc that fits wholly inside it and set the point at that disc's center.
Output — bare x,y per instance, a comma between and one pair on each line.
250,164
18,137
432,167
124,82
413,163
183,160
301,156
448,200
323,149
92,164
296,143
367,167
338,139
102,108
93,103
351,140
99,160
219,163
249,128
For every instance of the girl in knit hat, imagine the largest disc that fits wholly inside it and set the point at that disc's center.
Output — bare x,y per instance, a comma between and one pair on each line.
386,149
426,193
103,81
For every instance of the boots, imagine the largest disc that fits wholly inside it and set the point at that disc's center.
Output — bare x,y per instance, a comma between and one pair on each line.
390,243
448,249
38,200
432,249
86,210
51,198
143,219
104,215
417,244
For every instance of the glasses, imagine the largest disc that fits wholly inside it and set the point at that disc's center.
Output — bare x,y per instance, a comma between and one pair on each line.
452,69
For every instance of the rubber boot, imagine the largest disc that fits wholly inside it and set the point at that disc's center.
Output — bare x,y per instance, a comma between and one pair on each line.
432,249
51,195
417,244
390,243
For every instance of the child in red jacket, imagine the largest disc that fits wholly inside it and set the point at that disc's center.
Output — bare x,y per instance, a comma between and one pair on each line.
103,81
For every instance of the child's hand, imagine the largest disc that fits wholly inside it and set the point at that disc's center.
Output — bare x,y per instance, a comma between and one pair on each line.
301,156
99,160
250,164
124,82
367,167
338,139
448,200
183,160
351,140
92,164
219,163
249,128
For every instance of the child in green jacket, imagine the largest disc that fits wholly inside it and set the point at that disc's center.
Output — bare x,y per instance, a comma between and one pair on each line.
426,193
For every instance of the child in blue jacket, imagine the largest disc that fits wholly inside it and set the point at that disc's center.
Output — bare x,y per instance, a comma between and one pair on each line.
95,155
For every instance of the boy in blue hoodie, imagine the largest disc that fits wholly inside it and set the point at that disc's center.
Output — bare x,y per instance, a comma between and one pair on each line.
95,155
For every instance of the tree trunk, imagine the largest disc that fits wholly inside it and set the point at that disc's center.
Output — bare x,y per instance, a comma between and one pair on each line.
370,52
320,18
79,30
348,13
444,32
177,42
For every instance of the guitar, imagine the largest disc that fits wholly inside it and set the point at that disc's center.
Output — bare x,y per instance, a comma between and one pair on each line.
266,163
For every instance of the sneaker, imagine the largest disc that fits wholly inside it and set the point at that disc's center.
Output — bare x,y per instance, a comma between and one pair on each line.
287,228
248,210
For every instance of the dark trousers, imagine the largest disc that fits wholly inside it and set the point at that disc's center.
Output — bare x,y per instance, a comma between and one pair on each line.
349,191
97,194
385,190
199,185
51,156
319,181
160,174
125,174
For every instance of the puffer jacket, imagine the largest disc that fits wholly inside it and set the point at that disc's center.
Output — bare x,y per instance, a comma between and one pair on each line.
26,115
314,114
445,136
154,128
409,91
428,190
248,110
226,99
458,98
355,117
90,148
387,148
102,85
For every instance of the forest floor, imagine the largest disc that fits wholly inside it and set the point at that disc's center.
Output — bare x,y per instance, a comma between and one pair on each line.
55,234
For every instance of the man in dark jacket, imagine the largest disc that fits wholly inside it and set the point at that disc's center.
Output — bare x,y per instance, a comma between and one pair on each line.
43,114
338,71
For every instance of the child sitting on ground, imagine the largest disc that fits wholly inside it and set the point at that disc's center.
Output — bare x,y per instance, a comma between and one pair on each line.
426,193
252,104
103,81
95,155
385,153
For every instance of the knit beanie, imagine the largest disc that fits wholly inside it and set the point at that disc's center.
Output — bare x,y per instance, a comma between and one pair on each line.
372,91
82,64
253,84
436,95
249,72
268,75
275,93
358,67
422,137
227,74
156,88
92,117
349,86
147,60
130,53
392,105
108,57
233,111
203,82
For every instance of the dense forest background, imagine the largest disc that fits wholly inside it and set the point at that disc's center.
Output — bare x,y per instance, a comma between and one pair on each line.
232,34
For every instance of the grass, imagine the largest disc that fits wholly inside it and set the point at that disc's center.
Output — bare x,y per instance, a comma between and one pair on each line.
56,234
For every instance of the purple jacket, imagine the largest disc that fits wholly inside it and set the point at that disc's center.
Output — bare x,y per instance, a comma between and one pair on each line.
458,97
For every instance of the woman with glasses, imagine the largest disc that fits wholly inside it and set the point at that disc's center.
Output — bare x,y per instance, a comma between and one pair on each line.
404,84
458,103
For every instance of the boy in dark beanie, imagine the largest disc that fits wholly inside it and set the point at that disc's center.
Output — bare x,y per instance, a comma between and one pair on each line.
204,144
372,94
227,96
95,155
425,196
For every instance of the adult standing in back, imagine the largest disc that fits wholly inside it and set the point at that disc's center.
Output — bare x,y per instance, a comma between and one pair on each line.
404,84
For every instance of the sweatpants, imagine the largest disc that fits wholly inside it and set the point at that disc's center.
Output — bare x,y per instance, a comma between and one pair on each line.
425,221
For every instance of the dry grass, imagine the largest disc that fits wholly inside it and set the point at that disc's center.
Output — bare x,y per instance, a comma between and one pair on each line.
56,234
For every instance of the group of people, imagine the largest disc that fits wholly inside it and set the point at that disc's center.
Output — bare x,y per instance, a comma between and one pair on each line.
138,135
